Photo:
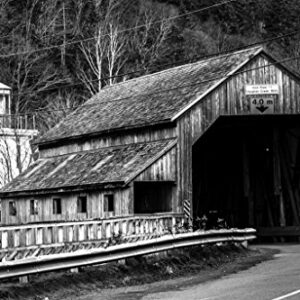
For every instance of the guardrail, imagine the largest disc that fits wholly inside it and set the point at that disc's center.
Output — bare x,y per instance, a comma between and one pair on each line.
18,121
93,255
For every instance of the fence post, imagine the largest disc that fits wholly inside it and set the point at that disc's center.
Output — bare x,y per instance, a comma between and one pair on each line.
4,239
26,121
39,236
70,233
80,232
99,231
28,237
173,225
60,233
107,230
124,228
16,238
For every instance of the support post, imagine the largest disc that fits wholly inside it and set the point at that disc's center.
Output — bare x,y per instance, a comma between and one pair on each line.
285,162
277,177
246,176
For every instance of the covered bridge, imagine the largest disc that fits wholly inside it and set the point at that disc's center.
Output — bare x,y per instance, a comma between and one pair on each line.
219,134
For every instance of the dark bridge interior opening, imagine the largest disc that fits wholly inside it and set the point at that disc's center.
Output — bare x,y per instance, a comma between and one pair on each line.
153,197
247,169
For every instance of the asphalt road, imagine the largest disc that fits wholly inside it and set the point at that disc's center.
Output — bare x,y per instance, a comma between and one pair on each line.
276,279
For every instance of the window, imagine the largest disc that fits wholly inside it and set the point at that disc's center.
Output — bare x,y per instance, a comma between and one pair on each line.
57,206
34,207
12,208
109,203
82,204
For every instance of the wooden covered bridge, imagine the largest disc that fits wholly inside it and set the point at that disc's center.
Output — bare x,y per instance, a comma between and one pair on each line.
220,134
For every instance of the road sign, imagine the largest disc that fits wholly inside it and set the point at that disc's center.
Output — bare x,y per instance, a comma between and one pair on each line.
262,104
262,89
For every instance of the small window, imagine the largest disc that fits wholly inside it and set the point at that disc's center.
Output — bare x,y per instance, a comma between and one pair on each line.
34,207
12,208
82,204
57,206
109,203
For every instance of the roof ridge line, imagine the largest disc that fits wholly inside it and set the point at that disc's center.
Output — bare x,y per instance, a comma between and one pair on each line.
208,57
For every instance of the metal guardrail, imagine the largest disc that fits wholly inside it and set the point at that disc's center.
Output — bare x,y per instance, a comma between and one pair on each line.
46,263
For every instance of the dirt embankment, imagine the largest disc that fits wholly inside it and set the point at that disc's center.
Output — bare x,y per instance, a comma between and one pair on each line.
208,262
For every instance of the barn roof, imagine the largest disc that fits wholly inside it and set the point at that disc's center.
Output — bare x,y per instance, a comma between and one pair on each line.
148,100
106,167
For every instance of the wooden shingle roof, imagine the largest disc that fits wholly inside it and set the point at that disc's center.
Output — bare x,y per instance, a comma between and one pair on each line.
148,100
105,167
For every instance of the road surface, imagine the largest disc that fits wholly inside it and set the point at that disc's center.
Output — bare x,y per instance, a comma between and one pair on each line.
276,279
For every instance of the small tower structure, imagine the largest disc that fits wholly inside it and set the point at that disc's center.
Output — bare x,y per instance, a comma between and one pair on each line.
16,132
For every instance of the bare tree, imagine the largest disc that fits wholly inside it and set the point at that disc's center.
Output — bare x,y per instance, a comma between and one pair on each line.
148,38
31,72
57,107
105,54
115,48
15,154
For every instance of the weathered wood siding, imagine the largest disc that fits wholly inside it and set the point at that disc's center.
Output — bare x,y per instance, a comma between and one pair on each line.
142,135
163,169
230,99
95,207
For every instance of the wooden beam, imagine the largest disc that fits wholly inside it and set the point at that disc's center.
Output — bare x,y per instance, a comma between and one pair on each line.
277,177
278,231
246,180
288,182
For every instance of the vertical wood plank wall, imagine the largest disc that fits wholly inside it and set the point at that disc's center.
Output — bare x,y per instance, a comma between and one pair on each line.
230,99
163,169
95,207
142,135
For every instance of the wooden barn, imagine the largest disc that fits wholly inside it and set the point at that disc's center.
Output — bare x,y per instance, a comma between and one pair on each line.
220,134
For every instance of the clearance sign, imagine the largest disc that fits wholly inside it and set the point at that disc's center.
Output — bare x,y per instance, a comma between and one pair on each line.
262,98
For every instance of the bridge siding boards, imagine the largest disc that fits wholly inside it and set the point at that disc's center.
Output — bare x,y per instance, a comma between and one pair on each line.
108,140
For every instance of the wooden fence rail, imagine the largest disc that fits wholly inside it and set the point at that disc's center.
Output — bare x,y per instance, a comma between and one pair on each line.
83,231
18,121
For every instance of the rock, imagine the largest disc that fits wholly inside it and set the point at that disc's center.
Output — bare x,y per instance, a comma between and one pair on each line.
169,270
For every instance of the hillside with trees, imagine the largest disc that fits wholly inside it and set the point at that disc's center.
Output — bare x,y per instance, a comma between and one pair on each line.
56,54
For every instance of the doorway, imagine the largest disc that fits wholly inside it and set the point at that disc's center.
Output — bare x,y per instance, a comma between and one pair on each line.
247,170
